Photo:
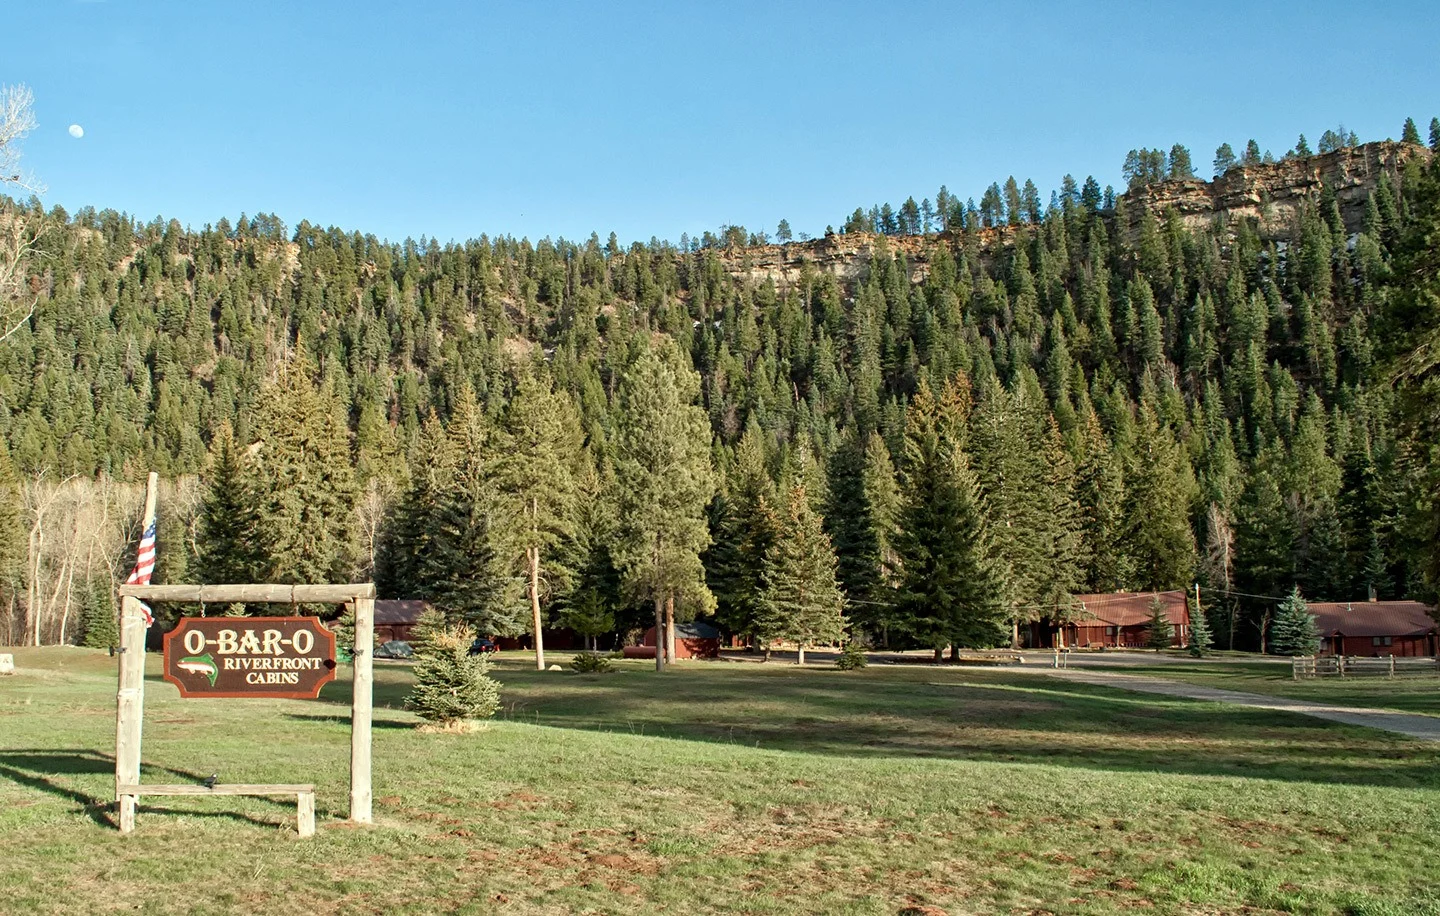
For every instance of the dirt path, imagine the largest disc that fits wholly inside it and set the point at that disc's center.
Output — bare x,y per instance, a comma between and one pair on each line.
1425,728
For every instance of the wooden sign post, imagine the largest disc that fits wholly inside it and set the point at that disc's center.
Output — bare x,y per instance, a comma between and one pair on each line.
361,701
130,699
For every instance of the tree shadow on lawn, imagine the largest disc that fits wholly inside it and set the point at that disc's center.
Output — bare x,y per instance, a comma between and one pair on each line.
44,769
344,721
924,712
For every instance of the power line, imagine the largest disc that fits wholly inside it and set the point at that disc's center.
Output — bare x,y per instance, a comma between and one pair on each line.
1114,598
1226,591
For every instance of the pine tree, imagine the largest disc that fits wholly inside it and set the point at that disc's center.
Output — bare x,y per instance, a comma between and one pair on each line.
1100,497
1413,341
98,616
466,569
1025,480
1061,543
409,538
1159,537
800,601
1179,164
855,530
227,516
1008,473
1410,133
951,592
663,480
1201,638
453,687
744,527
536,484
301,483
883,494
1294,631
12,530
590,606
1159,634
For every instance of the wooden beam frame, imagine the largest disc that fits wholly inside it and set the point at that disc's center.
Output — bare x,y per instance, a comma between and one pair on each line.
304,797
259,594
130,698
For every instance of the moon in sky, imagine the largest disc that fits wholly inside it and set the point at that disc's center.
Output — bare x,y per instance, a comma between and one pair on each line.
77,131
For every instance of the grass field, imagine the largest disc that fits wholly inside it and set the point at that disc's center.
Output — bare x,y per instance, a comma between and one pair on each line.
720,787
1419,695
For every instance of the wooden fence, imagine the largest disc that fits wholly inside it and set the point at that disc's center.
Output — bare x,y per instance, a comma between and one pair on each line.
1351,666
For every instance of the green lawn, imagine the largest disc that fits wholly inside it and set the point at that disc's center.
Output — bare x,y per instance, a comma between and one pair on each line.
1404,694
720,787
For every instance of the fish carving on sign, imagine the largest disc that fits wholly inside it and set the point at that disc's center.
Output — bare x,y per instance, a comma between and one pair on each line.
203,665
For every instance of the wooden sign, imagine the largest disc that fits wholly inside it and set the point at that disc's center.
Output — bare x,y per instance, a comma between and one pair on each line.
286,657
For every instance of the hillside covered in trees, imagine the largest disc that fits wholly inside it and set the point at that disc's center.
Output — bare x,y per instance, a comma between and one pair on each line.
937,423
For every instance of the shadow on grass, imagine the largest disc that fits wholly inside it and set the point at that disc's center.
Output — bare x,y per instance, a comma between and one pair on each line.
934,712
42,769
395,724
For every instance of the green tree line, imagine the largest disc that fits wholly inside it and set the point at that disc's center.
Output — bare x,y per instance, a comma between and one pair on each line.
607,436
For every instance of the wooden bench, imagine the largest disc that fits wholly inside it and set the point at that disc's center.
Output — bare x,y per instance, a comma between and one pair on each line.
304,798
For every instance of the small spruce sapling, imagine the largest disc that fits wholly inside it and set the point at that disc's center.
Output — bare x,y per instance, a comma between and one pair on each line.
1158,633
430,627
1293,632
591,663
852,657
452,687
1201,639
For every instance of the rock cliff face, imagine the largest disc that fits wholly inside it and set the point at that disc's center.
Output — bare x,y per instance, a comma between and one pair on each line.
1271,195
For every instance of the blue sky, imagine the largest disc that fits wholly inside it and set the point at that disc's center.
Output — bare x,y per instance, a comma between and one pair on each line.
652,119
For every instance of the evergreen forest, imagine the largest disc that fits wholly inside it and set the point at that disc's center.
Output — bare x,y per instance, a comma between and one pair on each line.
998,407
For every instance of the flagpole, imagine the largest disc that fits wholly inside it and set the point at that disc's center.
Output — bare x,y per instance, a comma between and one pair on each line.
130,698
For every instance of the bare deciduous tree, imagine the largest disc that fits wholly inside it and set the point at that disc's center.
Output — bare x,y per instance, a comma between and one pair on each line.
373,509
17,119
17,240
80,533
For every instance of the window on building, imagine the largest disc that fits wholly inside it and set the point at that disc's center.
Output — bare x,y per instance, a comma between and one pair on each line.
1380,640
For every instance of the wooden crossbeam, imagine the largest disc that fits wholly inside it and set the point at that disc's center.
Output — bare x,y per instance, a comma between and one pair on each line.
219,789
304,796
269,594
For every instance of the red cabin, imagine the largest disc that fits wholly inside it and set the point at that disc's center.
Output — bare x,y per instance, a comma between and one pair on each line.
1375,628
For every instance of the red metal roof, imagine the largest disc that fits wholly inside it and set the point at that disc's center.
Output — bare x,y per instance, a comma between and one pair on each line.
1373,618
398,613
1129,609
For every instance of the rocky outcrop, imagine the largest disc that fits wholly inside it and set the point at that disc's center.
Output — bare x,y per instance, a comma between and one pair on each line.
1270,194
847,257
1273,194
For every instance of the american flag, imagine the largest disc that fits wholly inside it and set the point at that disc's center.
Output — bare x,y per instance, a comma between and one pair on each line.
144,566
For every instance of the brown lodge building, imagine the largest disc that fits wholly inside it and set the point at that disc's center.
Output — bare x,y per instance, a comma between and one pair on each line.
1375,628
1118,620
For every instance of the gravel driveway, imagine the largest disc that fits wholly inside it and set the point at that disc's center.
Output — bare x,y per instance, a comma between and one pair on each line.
1425,728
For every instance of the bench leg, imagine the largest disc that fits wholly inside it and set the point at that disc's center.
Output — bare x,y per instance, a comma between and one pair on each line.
305,808
127,813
